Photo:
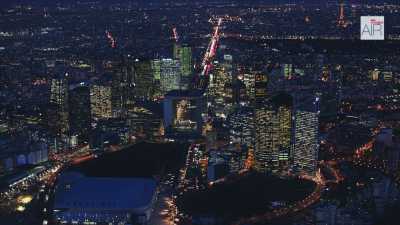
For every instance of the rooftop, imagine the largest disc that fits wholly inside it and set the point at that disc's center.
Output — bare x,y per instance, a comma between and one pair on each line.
111,193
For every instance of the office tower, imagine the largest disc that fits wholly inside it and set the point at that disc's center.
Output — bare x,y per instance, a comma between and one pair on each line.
79,100
59,98
287,71
219,79
285,132
387,76
176,50
184,55
374,74
273,134
228,64
260,85
170,75
266,151
100,101
144,123
249,79
241,126
319,66
183,112
156,68
144,80
122,87
305,147
238,89
220,89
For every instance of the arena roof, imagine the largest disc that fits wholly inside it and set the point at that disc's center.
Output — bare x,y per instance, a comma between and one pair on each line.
101,193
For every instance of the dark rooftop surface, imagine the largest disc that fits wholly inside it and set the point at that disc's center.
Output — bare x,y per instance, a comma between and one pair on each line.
282,99
139,160
184,93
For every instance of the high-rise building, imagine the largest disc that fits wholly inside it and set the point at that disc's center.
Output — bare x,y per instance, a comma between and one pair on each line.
219,79
59,98
122,86
100,101
176,50
260,85
170,75
156,68
241,126
266,151
273,134
183,53
183,112
287,71
249,79
220,89
144,80
374,74
79,100
285,133
305,146
144,123
238,89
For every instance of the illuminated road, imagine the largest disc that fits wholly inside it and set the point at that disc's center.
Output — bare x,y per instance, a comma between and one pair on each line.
211,50
165,210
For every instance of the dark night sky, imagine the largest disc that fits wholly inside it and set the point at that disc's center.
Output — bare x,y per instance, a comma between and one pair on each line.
264,1
4,4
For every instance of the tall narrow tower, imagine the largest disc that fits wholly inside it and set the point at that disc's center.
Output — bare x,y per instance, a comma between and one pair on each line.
341,20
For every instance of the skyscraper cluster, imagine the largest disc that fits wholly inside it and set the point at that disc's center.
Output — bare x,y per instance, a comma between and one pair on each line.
73,107
286,136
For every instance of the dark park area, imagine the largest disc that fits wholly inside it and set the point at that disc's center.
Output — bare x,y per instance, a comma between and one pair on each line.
249,195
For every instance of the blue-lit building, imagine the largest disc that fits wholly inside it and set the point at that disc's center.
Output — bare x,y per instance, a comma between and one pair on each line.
103,200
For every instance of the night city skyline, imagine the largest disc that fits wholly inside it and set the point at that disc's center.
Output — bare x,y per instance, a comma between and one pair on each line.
203,112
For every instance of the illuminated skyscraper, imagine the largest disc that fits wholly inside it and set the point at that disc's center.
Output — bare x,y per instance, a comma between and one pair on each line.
285,133
156,68
122,87
287,70
59,98
249,80
79,100
144,80
170,75
220,89
241,126
273,134
100,101
260,85
184,55
219,79
305,147
176,50
266,151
